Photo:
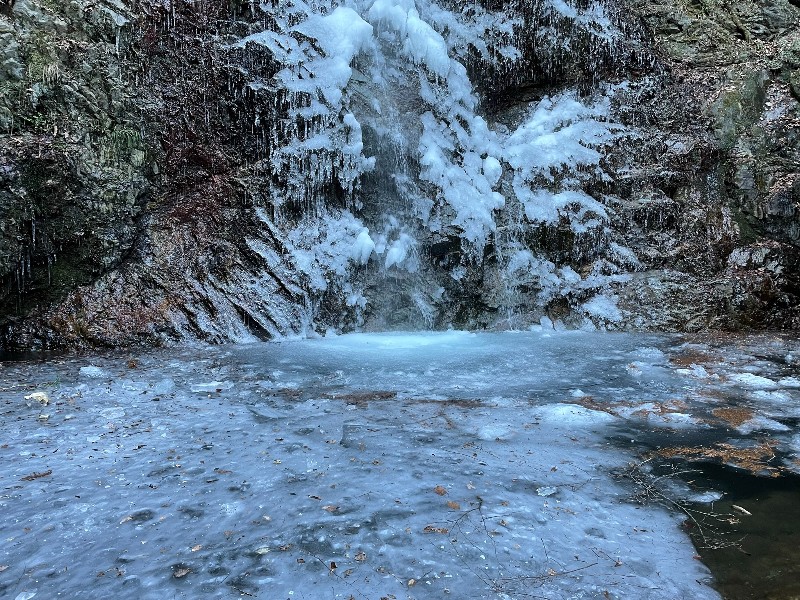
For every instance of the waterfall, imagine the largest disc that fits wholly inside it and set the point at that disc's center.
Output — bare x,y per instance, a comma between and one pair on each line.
435,164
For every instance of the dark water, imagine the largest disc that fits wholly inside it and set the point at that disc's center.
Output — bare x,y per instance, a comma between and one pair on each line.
759,557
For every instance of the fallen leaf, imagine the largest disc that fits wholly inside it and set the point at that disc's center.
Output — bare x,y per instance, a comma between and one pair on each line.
101,574
222,471
742,510
36,475
432,529
552,573
361,557
349,572
301,561
126,519
453,505
262,550
3,568
182,572
197,547
228,532
330,508
285,547
470,486
332,566
315,497
412,582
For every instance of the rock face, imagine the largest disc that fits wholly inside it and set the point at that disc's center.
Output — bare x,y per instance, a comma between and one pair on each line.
138,184
714,194
123,181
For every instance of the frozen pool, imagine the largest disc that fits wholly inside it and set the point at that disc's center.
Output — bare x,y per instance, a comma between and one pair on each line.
379,465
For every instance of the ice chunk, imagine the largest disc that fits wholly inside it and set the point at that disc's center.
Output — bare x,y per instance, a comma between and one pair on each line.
363,247
165,386
706,497
40,397
399,250
604,307
761,423
92,372
212,386
754,381
492,170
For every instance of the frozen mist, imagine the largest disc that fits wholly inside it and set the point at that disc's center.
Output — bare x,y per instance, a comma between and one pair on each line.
372,466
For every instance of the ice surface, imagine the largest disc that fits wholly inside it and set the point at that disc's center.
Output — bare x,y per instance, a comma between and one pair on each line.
478,465
754,381
92,372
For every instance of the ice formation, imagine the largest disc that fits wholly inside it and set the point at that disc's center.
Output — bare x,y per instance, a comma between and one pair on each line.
379,130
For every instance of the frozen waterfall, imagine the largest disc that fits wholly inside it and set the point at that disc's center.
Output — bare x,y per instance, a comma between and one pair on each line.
407,199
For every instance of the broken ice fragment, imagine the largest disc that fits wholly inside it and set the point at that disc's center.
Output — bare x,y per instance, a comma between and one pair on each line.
212,386
41,397
92,372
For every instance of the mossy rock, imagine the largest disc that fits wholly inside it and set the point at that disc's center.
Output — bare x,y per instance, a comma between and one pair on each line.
794,83
739,108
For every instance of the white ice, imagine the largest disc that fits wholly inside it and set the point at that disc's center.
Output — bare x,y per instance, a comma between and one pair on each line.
420,465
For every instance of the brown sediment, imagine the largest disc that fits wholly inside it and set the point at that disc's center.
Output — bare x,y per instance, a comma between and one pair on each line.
656,408
362,398
592,404
459,402
689,357
754,459
290,393
733,416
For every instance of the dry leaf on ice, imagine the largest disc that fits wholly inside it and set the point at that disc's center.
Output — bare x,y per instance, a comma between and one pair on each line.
432,529
36,475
